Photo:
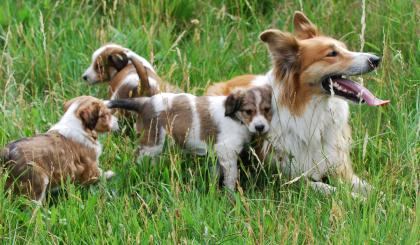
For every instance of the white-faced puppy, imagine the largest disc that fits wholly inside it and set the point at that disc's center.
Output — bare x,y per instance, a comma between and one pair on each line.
123,69
195,122
70,149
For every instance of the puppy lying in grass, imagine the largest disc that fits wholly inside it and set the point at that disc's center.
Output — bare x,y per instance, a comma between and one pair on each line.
70,149
195,122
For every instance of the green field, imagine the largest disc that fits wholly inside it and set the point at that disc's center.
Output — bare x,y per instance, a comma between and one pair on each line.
46,45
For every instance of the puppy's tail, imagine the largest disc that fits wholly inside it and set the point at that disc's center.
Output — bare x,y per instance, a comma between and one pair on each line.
144,88
134,104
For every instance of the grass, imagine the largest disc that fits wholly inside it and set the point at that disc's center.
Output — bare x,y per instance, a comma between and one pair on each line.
46,45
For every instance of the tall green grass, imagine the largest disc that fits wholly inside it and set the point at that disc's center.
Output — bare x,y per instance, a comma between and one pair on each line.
46,45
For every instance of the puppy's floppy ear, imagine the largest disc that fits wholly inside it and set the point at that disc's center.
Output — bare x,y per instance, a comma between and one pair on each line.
89,114
233,103
284,50
118,60
304,28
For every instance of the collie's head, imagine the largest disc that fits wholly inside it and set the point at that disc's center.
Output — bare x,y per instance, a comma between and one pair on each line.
309,64
107,61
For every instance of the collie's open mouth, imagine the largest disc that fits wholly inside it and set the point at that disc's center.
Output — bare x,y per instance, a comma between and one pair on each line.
353,91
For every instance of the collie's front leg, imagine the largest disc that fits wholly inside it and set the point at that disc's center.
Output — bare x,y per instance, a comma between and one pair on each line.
360,186
327,189
346,174
322,187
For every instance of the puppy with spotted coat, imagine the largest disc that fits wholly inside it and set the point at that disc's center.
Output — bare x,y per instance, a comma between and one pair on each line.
196,122
70,149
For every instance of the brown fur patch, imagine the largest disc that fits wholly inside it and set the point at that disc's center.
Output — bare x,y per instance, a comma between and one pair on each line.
179,119
304,28
148,125
115,83
208,128
48,155
225,88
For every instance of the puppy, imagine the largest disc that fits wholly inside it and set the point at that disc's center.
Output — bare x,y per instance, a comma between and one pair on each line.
195,122
70,149
123,70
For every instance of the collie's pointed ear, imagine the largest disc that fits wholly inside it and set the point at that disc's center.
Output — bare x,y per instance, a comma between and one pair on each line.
304,28
284,50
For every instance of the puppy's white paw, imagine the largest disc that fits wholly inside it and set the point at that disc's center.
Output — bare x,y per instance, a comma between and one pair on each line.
108,174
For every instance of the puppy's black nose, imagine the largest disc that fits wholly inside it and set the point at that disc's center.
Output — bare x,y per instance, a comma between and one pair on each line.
85,77
259,128
374,61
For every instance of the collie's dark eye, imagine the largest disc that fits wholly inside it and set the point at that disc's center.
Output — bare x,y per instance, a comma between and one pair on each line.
267,110
332,53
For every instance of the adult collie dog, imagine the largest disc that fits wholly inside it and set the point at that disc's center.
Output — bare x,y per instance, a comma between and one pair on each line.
309,131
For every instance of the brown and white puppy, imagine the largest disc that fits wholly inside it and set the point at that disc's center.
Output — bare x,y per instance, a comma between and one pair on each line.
123,69
311,86
70,149
196,122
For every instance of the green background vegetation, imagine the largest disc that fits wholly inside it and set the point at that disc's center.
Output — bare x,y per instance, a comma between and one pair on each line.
46,45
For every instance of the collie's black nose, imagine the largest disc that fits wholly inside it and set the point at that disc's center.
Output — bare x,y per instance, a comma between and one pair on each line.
374,61
259,128
84,77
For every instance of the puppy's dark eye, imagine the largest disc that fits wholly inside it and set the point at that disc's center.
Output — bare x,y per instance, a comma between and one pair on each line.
267,110
332,53
248,112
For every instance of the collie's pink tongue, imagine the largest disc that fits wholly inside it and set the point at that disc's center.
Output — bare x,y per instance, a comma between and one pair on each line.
364,93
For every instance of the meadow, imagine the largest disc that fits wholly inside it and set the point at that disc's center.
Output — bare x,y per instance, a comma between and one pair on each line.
46,45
